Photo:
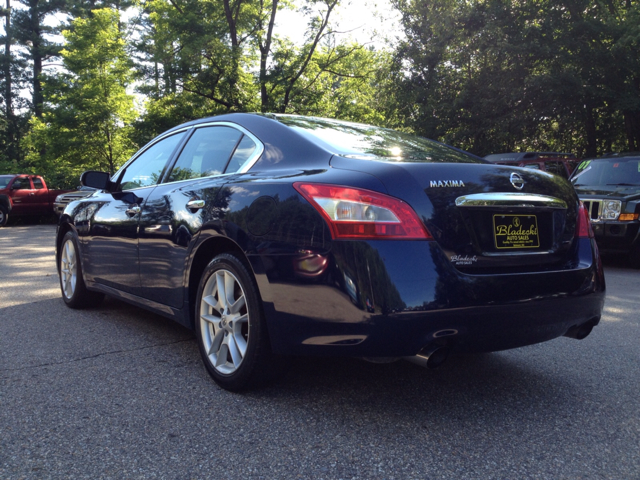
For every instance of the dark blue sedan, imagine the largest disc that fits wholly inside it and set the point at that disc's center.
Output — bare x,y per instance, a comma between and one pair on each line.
277,235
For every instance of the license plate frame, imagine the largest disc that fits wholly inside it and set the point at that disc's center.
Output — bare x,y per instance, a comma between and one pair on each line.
515,231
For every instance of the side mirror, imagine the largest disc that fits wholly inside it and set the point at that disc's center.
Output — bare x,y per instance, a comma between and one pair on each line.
93,179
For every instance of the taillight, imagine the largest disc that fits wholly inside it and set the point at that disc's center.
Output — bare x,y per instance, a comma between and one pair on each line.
363,214
583,223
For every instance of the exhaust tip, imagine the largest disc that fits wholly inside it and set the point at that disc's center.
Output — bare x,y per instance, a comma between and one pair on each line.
580,332
431,357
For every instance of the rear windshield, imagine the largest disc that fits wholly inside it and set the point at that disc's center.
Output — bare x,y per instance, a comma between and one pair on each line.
361,141
4,180
608,171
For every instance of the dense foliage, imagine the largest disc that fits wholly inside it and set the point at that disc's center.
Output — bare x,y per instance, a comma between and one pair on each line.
501,75
484,75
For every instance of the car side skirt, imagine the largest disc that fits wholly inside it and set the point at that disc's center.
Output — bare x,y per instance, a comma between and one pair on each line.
179,315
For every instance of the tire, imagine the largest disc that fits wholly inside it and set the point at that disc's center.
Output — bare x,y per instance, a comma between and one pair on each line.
634,257
74,291
4,215
231,329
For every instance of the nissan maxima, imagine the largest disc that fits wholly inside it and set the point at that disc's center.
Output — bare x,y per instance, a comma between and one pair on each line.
273,236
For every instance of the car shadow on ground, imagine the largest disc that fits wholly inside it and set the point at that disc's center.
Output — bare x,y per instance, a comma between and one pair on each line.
500,388
490,378
617,261
359,377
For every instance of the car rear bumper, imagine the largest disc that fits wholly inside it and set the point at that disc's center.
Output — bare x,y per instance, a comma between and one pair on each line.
375,299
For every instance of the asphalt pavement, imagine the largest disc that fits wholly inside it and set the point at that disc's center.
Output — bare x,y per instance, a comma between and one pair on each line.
116,392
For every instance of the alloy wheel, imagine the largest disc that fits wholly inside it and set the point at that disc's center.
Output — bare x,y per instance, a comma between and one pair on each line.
224,321
68,269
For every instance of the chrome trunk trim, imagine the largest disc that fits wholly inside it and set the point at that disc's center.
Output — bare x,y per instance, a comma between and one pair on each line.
510,200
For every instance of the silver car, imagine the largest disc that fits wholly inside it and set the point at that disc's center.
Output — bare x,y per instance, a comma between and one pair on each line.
61,201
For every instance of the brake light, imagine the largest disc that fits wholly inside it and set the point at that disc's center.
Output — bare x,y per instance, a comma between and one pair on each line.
583,223
363,214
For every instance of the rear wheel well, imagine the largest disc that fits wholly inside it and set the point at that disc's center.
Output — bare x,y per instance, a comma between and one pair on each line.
207,252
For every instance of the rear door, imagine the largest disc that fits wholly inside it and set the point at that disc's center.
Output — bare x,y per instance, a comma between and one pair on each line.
40,196
176,209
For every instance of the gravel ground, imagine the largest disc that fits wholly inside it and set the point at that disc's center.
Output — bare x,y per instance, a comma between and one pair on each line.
117,392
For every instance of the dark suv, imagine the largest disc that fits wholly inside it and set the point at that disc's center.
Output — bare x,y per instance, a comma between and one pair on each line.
552,162
610,189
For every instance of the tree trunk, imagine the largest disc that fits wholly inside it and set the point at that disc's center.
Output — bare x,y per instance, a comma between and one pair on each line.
8,97
636,117
631,128
590,130
312,49
11,150
265,48
232,21
36,54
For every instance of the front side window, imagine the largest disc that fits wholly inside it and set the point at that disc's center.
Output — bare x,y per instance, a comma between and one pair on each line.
147,168
206,153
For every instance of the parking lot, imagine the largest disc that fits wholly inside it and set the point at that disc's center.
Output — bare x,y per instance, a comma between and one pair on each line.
117,392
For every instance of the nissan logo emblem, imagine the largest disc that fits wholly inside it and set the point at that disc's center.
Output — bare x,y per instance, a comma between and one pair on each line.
516,181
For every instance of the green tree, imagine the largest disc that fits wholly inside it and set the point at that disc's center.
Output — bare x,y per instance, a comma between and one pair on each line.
31,32
86,123
502,75
12,81
226,55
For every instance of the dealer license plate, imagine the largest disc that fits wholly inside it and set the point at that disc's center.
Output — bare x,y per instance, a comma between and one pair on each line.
516,231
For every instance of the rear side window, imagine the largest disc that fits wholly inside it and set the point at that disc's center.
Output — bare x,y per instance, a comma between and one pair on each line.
533,166
37,183
243,152
206,153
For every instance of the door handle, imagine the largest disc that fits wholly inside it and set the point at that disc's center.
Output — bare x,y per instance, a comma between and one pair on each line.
194,205
133,211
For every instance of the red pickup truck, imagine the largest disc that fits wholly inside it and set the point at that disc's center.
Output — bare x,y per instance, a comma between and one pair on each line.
24,194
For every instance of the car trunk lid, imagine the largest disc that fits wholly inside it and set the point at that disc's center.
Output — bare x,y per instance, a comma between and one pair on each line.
483,216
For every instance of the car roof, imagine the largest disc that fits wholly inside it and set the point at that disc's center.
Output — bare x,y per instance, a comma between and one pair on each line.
284,144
